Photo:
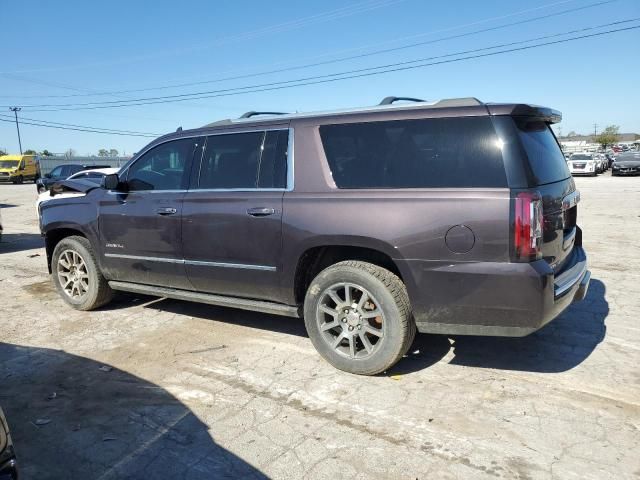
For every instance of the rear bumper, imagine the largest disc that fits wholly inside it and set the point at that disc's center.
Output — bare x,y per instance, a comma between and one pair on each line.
497,299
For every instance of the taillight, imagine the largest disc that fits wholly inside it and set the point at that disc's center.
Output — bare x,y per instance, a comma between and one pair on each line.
527,235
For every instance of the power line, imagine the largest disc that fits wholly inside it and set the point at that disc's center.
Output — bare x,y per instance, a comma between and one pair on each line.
80,129
343,59
358,73
334,14
85,126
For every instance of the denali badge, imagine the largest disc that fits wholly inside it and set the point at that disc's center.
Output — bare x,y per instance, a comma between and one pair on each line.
113,245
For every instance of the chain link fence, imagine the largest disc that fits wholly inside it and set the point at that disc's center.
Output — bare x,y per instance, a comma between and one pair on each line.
49,163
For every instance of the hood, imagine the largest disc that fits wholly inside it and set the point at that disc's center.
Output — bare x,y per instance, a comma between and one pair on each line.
9,169
76,185
627,163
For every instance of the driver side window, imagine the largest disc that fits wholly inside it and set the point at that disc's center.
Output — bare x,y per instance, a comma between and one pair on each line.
164,167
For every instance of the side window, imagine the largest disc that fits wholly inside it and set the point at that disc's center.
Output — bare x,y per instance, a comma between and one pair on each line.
273,163
72,169
56,172
163,167
428,153
231,161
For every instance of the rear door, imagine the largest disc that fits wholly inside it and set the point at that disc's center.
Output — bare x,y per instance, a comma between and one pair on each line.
231,223
140,228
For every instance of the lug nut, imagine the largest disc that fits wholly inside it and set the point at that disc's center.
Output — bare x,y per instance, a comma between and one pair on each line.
350,328
359,327
344,320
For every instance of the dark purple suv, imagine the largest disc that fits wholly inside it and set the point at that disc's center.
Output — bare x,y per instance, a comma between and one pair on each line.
452,217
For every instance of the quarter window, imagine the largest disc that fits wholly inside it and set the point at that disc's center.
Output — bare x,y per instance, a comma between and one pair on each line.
163,167
441,152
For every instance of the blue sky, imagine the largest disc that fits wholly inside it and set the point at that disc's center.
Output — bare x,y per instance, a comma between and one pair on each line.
58,49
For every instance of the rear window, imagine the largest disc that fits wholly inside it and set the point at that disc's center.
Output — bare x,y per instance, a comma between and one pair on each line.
427,153
546,160
581,157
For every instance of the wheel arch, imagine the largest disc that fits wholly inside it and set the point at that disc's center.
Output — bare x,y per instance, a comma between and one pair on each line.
54,236
316,258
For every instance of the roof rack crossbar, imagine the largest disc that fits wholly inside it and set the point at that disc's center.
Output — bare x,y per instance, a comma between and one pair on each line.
253,114
390,100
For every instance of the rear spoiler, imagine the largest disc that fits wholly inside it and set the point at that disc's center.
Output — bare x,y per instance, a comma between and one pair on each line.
65,186
548,115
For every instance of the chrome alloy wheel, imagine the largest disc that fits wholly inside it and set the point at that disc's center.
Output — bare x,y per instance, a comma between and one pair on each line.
350,320
72,274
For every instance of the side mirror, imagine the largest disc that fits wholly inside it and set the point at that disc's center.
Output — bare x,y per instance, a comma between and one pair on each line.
110,182
21,166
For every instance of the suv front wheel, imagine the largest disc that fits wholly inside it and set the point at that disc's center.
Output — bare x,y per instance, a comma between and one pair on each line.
76,275
358,317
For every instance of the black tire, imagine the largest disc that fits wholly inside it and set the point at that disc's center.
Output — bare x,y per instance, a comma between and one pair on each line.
41,189
20,180
98,292
388,295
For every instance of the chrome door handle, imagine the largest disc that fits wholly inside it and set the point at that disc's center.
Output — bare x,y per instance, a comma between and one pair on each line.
166,211
260,212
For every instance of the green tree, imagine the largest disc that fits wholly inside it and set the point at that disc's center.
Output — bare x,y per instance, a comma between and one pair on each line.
2,152
609,136
103,152
30,152
113,152
46,153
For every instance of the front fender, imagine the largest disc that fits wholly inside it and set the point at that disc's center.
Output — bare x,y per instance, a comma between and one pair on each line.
60,218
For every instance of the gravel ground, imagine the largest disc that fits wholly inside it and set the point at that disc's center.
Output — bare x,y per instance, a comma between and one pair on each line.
152,388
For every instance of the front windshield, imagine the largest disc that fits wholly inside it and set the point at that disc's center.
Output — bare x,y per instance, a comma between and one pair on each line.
9,163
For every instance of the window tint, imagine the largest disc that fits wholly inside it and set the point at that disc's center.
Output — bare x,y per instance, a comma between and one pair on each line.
245,161
546,160
581,157
163,167
444,152
273,162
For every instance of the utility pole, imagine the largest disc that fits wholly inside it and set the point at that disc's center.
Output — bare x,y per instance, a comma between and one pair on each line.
15,110
595,130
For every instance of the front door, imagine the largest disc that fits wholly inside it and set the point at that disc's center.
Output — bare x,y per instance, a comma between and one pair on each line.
140,226
232,215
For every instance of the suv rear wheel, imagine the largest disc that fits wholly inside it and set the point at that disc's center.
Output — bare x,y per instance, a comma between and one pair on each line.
76,275
358,317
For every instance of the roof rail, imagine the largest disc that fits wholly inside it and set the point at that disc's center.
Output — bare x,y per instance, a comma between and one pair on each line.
253,114
459,102
390,100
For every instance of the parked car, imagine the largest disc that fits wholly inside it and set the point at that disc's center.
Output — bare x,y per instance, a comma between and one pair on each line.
62,172
610,159
451,217
583,164
8,464
18,168
627,163
92,176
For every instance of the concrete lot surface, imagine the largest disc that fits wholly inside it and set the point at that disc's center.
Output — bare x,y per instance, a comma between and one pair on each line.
150,388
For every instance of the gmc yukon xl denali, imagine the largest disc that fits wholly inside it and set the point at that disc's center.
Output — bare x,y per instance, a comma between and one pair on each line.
449,217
